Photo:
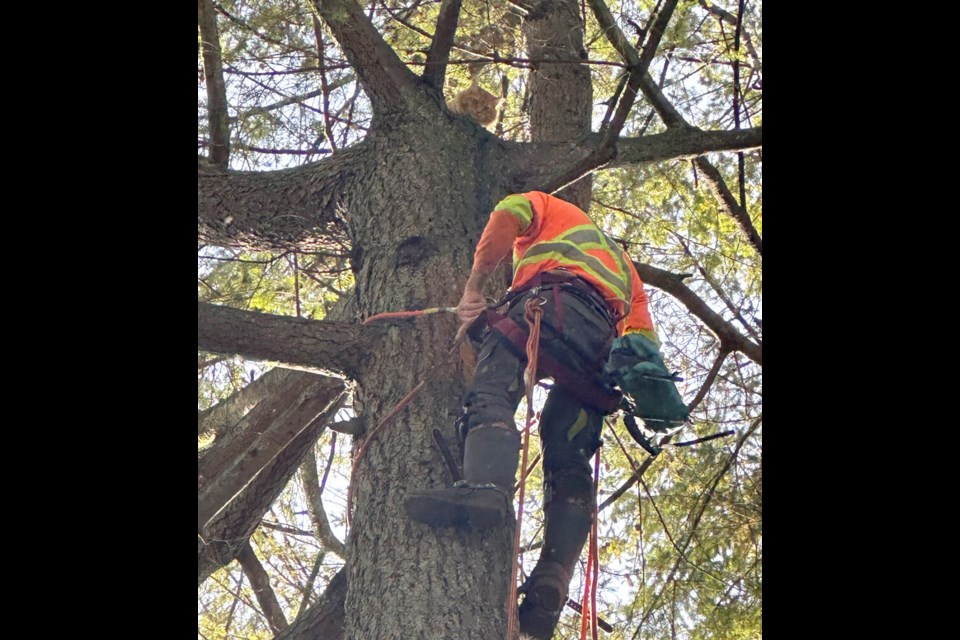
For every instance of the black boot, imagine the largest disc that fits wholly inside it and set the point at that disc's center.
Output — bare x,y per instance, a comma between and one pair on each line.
568,518
482,499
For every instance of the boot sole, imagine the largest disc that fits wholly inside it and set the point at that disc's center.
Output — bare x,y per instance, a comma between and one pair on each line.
442,512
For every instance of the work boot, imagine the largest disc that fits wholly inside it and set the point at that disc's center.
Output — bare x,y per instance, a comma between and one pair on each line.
482,499
545,593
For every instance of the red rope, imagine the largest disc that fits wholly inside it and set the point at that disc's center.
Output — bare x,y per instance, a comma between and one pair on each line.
394,315
533,311
404,401
594,548
588,609
586,612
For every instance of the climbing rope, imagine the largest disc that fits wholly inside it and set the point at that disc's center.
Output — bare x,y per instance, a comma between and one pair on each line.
397,315
592,575
532,312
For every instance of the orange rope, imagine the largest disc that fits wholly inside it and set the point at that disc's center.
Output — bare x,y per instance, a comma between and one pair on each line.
533,311
594,549
585,611
588,609
404,401
395,315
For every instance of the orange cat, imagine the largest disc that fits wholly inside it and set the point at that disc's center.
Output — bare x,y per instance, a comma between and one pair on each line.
477,103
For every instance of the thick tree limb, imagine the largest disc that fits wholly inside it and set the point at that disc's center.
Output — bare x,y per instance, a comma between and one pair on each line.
725,331
609,27
325,618
289,208
386,80
224,536
532,165
315,345
226,414
436,64
234,433
267,430
217,116
260,582
684,143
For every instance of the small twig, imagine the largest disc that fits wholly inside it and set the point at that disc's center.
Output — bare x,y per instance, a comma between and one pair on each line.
308,588
326,471
711,376
716,287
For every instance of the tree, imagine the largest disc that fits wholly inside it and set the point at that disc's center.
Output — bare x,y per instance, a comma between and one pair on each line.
387,218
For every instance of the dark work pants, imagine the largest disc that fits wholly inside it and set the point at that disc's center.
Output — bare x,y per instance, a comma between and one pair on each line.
576,330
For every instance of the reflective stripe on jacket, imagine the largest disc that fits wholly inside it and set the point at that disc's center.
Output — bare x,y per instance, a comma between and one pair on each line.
555,234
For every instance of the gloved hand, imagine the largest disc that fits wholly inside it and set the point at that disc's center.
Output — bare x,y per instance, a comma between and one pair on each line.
636,366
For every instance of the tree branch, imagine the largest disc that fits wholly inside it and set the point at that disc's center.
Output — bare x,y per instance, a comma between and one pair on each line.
315,345
728,203
226,414
672,283
336,84
709,379
325,618
216,88
729,18
436,64
266,431
223,537
718,290
318,515
531,165
672,118
679,144
286,209
386,80
260,582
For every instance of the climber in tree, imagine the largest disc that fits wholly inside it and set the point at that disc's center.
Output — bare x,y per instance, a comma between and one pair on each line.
592,300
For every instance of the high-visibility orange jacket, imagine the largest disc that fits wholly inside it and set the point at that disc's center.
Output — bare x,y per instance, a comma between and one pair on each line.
547,234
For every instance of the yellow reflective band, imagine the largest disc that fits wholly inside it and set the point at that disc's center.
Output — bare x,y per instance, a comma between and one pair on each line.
520,207
570,254
589,264
587,236
577,426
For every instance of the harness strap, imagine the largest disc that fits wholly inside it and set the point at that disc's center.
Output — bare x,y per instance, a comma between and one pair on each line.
585,389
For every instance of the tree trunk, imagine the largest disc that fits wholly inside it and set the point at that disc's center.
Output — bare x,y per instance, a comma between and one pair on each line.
407,580
561,92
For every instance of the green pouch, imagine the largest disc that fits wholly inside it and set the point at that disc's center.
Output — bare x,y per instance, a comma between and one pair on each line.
635,365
